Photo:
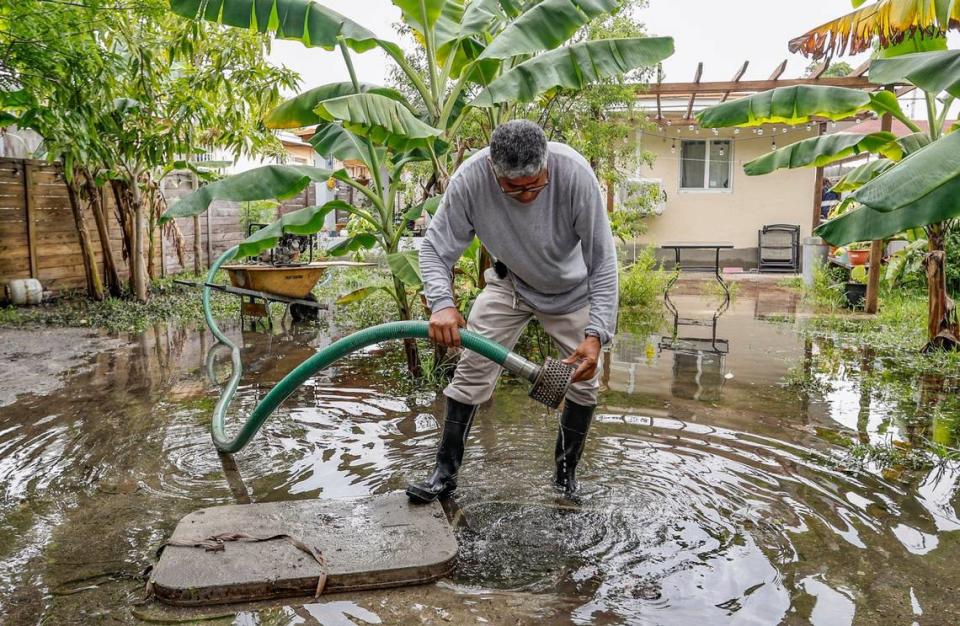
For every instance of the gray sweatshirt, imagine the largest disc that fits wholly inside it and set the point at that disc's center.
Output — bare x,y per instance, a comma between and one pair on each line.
559,248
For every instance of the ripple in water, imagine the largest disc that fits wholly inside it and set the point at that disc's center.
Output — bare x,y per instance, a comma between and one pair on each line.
682,522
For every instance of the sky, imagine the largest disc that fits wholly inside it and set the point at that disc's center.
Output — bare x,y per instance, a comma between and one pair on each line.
722,34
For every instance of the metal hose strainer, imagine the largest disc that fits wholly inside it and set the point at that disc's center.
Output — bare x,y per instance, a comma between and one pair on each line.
552,382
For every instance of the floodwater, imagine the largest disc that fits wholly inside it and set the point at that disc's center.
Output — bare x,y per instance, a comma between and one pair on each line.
713,488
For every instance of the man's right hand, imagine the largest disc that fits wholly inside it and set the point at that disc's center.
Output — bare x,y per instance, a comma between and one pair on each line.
445,326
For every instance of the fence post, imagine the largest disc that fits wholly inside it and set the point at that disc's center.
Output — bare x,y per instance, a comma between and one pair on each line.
29,204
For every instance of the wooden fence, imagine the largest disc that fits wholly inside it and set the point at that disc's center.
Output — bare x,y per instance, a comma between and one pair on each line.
38,235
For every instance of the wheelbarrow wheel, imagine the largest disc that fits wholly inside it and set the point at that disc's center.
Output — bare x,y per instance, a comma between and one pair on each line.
303,313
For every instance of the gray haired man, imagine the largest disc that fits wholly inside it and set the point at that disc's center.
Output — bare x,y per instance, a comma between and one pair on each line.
537,208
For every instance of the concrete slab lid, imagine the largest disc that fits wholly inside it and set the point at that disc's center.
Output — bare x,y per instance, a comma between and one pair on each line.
368,543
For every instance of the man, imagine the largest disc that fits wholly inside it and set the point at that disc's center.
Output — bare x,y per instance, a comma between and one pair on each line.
537,208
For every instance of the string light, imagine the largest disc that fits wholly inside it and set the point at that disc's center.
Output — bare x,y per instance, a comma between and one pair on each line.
721,150
673,148
736,131
785,130
833,124
760,131
690,127
773,144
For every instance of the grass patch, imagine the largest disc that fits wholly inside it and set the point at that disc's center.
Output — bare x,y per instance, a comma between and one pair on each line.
168,303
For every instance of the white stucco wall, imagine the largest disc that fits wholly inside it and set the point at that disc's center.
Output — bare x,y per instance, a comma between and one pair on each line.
735,215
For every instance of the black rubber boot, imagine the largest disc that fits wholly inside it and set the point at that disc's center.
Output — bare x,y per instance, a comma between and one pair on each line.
571,437
443,480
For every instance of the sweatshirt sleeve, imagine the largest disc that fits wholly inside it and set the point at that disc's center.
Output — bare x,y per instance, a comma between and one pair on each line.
449,234
599,255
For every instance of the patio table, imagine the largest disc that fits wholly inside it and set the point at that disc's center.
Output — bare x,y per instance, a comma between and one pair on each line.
716,246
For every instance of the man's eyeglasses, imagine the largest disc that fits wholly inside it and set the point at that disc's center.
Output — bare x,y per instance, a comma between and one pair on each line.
519,191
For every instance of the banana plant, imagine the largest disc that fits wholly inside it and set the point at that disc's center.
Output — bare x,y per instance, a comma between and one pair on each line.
894,26
915,182
481,57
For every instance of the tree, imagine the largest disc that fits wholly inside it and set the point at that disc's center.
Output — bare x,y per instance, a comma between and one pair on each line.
840,68
480,57
122,91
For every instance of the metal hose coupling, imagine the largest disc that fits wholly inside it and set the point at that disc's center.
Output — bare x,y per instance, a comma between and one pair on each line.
550,381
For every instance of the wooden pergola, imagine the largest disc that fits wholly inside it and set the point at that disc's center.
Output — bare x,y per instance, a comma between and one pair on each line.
678,102
721,91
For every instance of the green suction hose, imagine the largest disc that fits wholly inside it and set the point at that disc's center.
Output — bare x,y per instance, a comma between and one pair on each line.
357,341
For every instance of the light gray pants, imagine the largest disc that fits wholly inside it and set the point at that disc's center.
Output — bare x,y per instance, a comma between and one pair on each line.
499,315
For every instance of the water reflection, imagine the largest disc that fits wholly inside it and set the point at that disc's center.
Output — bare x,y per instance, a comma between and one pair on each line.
707,498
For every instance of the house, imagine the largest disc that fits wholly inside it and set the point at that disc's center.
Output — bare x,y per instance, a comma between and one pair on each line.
707,195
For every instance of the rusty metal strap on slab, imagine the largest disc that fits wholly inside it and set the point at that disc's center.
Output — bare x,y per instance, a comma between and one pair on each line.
217,543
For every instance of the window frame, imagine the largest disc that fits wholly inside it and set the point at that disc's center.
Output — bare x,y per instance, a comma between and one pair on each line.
706,170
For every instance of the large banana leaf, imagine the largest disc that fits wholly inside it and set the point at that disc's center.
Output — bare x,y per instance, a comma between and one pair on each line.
933,72
923,189
787,105
333,140
410,9
913,142
459,20
261,183
478,16
463,32
361,241
399,159
298,111
430,205
545,26
888,21
482,71
306,21
361,294
861,175
929,171
383,120
301,222
406,266
820,151
574,67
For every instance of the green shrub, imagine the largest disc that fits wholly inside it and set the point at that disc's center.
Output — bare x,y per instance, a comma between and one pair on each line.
642,285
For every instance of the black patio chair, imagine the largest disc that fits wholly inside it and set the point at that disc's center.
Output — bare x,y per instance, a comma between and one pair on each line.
778,248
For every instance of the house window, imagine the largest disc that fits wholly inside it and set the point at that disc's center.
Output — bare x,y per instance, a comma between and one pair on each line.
705,164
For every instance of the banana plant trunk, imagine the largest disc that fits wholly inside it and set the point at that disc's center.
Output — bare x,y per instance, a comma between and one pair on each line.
942,329
90,270
112,275
409,345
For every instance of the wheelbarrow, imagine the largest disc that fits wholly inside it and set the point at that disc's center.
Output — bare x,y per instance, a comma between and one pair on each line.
260,284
